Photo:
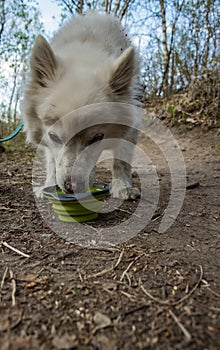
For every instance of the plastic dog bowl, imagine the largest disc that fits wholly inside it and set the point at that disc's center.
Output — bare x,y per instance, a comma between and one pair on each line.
69,209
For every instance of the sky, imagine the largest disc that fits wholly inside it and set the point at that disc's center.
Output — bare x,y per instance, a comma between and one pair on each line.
50,15
51,19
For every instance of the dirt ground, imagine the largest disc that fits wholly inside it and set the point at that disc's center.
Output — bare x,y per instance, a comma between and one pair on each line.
155,291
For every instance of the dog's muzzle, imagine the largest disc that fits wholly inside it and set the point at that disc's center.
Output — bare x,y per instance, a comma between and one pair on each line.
70,186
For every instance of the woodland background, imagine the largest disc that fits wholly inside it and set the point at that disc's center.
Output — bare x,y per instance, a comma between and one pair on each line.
179,42
155,291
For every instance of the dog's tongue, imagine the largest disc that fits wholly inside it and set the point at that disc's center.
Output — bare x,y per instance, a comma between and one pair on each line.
74,187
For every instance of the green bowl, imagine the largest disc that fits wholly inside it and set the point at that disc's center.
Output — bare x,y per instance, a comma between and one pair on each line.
69,209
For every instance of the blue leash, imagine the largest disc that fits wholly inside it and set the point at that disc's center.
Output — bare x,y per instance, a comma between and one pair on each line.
14,133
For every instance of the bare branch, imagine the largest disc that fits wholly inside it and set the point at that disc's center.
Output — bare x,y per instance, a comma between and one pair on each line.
3,17
124,9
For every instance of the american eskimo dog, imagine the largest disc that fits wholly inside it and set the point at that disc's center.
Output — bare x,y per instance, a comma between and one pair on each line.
82,92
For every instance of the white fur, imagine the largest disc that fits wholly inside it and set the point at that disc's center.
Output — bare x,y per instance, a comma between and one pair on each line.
89,70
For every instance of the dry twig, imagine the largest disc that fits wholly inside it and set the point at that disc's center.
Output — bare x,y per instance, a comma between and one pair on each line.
3,281
183,329
163,302
193,185
4,277
15,250
127,212
192,290
13,287
208,288
129,312
129,266
167,302
103,272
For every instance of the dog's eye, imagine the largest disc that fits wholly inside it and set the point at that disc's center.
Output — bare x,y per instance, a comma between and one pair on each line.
96,138
55,138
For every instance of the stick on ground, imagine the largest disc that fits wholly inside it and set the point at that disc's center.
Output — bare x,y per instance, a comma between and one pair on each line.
15,250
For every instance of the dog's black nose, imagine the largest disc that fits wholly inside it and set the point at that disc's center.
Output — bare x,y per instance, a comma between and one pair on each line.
68,185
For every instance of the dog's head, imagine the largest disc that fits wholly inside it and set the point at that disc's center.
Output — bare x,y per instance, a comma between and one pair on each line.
77,140
61,84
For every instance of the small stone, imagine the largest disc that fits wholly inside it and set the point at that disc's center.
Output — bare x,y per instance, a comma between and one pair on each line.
101,320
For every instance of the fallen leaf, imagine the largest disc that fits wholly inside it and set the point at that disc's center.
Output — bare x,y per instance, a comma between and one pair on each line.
10,317
102,342
64,342
27,278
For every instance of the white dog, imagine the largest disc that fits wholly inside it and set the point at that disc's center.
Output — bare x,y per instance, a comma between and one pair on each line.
82,92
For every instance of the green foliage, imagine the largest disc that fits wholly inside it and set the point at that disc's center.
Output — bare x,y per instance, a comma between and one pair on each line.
171,110
176,50
192,30
19,24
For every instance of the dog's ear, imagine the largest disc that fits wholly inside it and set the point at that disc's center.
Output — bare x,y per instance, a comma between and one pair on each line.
122,72
43,62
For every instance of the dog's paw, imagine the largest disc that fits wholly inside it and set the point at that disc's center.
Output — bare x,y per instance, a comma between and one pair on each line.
123,191
38,191
130,193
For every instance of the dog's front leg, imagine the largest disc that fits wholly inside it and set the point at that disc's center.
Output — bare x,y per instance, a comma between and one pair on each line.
121,182
50,169
50,174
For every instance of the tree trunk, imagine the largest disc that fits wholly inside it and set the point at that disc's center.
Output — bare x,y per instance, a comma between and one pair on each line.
209,35
124,9
165,49
3,18
80,5
117,6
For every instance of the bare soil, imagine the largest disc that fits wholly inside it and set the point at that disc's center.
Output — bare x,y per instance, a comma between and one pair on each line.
156,291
